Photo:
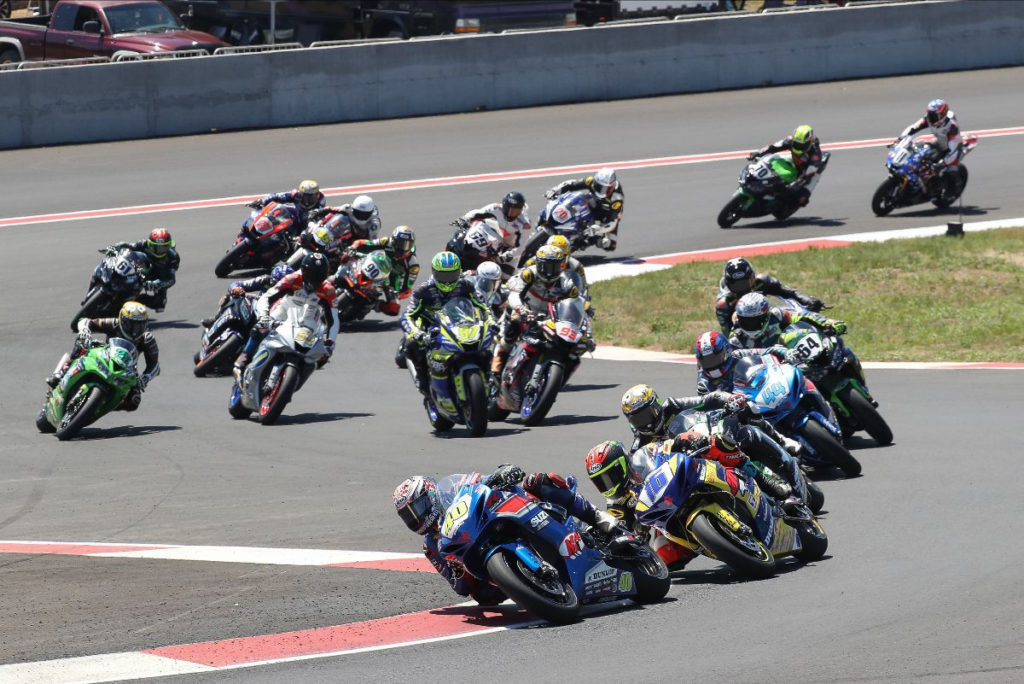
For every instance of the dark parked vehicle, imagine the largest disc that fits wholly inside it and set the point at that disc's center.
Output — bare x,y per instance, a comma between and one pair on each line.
89,28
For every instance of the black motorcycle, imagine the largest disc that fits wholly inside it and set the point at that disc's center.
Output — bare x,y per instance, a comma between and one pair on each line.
120,277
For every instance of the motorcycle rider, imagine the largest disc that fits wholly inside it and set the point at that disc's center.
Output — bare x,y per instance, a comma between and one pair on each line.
606,200
757,324
162,262
445,282
400,249
478,242
420,503
361,215
946,149
258,284
486,281
306,198
512,215
739,278
805,151
131,323
311,278
530,291
570,264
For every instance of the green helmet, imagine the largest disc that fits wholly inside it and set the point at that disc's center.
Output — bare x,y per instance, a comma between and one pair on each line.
446,269
803,138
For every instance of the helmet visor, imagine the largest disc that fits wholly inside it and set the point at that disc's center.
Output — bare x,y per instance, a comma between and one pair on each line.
486,287
308,200
415,513
362,216
934,117
548,269
609,480
714,361
752,323
739,286
159,249
402,244
132,328
647,419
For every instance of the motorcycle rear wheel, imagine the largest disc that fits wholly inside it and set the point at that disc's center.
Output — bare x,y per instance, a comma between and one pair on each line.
227,262
93,305
272,405
884,199
476,396
545,397
224,354
867,415
759,563
829,449
732,212
521,586
954,188
80,415
42,424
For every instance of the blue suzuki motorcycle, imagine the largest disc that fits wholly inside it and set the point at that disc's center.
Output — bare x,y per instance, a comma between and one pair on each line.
569,215
908,163
779,393
540,556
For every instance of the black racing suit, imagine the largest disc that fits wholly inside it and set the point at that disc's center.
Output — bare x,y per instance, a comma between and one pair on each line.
766,285
160,277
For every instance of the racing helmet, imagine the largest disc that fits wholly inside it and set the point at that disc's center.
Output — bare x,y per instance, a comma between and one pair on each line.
714,354
642,408
159,243
309,194
605,182
549,263
418,503
608,468
936,112
446,269
739,276
280,271
561,243
314,270
363,209
752,314
803,140
488,279
402,240
512,205
133,319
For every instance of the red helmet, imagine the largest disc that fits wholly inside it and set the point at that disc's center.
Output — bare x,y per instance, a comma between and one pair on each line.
608,468
714,354
937,112
159,243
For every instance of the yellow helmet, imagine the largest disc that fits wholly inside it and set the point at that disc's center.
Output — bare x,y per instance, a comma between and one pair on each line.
133,319
309,194
549,262
641,406
561,243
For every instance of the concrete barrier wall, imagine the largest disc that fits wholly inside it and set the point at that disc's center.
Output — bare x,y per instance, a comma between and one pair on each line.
444,75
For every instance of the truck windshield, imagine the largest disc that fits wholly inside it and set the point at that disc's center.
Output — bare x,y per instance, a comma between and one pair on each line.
142,17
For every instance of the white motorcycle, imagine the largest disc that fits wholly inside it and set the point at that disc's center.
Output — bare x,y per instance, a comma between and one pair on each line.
284,360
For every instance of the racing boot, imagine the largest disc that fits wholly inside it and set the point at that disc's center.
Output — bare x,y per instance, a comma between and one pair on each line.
773,486
241,363
497,367
609,241
62,367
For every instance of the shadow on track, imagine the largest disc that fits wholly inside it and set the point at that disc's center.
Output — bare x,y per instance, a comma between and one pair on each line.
573,419
859,442
773,224
309,418
585,388
178,323
460,432
969,210
371,325
723,574
90,434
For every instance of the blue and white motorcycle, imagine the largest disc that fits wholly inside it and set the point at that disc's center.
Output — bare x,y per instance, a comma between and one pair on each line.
910,178
541,557
569,215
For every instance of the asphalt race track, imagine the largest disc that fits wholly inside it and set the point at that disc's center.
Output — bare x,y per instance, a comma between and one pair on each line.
922,577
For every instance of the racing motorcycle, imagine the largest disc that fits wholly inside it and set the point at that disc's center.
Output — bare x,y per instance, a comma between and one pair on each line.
118,278
329,236
284,360
225,337
545,356
457,358
545,560
837,372
780,393
712,423
765,189
909,162
94,385
570,215
723,514
476,243
263,240
361,284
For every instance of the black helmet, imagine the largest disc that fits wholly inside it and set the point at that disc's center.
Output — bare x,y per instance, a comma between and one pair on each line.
314,270
739,276
513,201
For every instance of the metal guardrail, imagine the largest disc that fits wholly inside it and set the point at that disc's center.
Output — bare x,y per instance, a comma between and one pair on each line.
130,56
242,49
352,41
52,63
715,15
798,8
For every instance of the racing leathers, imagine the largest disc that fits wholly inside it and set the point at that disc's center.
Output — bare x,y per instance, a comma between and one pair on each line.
364,230
573,266
808,165
766,285
606,210
292,197
111,327
945,150
421,314
404,270
511,231
160,274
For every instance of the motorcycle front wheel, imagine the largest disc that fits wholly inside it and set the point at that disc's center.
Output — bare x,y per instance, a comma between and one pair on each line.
732,212
535,408
221,357
813,540
829,449
867,415
227,262
885,197
93,305
550,598
273,404
79,414
747,555
476,405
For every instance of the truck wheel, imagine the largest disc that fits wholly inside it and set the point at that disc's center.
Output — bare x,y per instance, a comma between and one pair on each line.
5,9
10,55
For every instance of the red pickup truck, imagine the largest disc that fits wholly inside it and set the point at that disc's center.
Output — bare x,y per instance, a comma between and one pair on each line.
87,28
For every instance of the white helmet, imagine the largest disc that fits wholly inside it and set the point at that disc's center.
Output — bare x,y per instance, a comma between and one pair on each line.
604,182
363,210
752,314
488,279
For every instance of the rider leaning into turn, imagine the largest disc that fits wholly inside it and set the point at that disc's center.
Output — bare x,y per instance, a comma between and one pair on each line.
446,282
606,200
162,262
131,323
757,324
310,278
946,149
739,278
570,264
306,198
805,151
511,214
361,215
418,502
258,284
400,248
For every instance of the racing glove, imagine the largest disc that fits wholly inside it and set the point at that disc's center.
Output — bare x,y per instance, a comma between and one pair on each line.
838,327
752,156
792,357
606,522
255,204
264,323
507,475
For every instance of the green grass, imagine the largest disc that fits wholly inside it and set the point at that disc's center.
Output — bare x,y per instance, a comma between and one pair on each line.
927,299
